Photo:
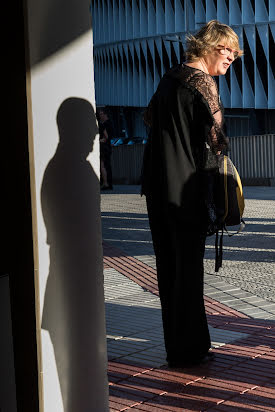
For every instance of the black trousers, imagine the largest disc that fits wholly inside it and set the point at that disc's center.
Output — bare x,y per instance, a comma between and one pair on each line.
105,156
108,166
179,254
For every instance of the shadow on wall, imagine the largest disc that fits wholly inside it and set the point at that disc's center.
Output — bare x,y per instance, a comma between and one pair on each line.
70,199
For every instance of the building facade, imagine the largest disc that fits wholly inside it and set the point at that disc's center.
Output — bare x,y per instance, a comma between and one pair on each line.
136,41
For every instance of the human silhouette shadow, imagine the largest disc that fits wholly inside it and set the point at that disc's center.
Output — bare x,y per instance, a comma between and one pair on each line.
73,310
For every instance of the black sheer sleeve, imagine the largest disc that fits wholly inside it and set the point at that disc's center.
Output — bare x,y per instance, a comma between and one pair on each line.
207,86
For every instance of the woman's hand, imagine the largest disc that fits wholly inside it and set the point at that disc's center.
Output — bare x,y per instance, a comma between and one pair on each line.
105,137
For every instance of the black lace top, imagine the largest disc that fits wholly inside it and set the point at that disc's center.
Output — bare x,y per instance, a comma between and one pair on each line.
207,86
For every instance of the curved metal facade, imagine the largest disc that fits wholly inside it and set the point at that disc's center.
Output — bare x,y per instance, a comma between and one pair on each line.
136,41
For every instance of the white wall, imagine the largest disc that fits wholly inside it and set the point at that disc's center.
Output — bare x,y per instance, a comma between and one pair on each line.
66,206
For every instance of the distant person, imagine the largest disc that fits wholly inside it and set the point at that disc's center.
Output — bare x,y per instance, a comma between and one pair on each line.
106,133
185,117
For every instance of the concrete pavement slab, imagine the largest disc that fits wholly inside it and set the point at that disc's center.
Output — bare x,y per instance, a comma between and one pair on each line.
239,304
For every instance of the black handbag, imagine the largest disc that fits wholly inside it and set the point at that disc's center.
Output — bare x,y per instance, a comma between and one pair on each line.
224,198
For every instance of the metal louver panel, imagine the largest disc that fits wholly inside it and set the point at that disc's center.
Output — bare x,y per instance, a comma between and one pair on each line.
158,27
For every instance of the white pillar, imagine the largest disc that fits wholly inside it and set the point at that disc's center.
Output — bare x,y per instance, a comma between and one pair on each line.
64,156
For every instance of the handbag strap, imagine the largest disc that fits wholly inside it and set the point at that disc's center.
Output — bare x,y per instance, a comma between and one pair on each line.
219,251
241,227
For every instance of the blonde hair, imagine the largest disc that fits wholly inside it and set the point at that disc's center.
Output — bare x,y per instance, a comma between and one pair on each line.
208,37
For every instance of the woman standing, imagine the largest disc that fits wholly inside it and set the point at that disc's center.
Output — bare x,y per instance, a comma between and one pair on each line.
106,133
184,115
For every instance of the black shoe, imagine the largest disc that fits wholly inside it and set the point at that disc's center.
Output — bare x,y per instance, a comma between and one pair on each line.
208,357
175,364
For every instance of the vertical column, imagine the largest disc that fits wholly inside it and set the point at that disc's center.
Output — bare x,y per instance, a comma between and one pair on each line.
122,19
211,12
261,80
248,14
271,11
128,74
237,76
129,19
64,159
235,14
249,66
152,23
166,54
117,74
116,19
179,16
222,11
271,68
123,75
143,68
104,91
138,74
169,16
110,22
261,12
159,66
151,84
143,6
200,13
190,15
160,16
136,18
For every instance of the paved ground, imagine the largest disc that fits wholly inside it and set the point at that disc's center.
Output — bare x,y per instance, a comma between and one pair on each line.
240,304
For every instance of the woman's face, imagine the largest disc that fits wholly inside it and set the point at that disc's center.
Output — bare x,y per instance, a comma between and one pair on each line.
220,59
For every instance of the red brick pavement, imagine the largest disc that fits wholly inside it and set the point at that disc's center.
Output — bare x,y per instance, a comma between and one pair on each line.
241,378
